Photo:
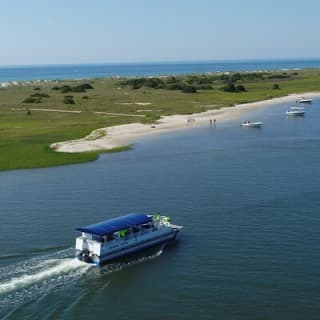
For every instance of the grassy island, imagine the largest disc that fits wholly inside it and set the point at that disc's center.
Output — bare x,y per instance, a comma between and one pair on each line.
35,114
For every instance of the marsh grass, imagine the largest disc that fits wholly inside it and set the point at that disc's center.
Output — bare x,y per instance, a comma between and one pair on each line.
25,139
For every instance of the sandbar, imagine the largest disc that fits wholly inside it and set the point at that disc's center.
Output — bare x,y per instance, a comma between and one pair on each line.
117,136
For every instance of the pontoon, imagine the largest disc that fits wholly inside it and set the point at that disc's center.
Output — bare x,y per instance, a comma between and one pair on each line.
114,238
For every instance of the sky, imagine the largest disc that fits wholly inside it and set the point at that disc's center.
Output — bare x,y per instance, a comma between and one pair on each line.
112,31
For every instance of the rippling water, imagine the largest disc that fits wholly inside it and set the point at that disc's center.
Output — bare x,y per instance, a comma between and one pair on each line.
248,199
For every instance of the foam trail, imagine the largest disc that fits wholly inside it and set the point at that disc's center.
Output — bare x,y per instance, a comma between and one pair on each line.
63,266
106,285
32,265
160,251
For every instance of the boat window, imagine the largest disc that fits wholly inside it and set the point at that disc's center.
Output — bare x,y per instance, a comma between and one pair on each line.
110,237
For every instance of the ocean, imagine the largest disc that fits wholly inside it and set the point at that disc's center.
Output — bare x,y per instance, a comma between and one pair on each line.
249,203
60,72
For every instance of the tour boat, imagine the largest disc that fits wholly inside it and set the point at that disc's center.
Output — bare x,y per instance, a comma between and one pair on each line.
117,237
305,100
295,111
250,124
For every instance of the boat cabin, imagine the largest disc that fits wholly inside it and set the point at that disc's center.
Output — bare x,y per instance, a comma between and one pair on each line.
125,227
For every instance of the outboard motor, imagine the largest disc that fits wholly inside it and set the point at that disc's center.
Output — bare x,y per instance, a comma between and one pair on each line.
85,257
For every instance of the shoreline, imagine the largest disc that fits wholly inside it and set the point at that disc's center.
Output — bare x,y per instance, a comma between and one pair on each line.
122,135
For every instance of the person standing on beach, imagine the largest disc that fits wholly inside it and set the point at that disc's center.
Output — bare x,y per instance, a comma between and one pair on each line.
210,122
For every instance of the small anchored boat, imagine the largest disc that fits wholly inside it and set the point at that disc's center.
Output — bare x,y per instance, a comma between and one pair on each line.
305,100
118,237
295,111
251,124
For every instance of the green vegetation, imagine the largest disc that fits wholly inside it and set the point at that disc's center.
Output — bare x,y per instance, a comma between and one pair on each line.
78,88
276,86
27,129
68,100
36,97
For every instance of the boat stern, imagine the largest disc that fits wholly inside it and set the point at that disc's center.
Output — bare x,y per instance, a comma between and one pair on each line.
88,250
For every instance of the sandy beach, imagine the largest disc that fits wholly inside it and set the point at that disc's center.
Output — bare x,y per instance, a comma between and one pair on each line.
122,135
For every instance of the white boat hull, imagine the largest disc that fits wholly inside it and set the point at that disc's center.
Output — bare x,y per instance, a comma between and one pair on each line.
305,101
251,124
139,246
295,113
101,249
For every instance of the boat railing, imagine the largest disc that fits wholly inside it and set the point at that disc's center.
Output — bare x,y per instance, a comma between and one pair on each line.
117,239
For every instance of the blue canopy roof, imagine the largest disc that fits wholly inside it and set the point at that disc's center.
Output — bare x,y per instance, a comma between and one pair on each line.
116,224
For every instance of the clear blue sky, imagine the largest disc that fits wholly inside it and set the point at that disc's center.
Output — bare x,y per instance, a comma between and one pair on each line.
94,31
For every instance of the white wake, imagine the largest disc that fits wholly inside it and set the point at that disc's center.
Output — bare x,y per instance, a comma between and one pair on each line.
59,267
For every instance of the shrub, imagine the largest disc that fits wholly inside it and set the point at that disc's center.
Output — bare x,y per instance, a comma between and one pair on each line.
151,117
80,88
40,95
276,86
85,97
65,89
154,83
29,100
172,79
229,87
279,76
189,89
175,86
204,87
68,100
85,86
235,77
225,77
77,89
240,88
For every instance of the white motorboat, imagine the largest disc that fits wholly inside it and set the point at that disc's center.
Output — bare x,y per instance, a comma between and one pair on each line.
251,124
305,100
295,111
114,238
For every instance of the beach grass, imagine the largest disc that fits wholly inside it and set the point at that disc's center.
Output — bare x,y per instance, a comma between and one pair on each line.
28,129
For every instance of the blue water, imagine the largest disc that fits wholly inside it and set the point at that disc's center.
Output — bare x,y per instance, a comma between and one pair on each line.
60,72
249,203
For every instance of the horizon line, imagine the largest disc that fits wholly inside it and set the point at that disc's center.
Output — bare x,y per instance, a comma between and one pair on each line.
158,62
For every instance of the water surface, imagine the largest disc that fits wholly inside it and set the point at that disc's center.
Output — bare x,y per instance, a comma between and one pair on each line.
249,203
54,72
